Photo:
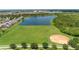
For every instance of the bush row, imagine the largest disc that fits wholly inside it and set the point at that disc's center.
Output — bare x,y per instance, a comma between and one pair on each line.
36,46
74,43
33,46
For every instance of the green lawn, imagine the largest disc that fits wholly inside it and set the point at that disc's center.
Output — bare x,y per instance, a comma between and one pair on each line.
28,34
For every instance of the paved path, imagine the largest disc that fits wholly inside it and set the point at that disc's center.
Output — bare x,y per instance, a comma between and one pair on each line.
6,47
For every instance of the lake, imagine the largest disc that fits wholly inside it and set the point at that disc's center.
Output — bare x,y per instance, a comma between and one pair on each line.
38,20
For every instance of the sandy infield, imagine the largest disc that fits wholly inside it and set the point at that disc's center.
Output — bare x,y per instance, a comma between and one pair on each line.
61,39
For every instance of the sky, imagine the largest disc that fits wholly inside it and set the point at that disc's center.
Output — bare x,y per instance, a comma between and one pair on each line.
39,4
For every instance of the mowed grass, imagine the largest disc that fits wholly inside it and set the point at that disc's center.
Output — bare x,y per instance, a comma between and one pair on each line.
28,34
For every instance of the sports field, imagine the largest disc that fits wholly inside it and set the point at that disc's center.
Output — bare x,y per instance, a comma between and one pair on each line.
28,34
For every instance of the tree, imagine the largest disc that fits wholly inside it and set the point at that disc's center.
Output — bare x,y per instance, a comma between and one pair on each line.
65,46
76,40
77,47
3,31
34,46
54,46
23,20
45,45
73,42
13,46
24,45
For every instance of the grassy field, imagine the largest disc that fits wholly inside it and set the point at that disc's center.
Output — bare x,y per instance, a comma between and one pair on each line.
28,34
39,34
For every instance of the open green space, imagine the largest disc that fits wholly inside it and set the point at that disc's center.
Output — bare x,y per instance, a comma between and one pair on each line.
65,24
28,34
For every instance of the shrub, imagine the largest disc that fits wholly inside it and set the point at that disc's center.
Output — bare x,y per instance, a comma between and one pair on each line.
13,46
45,45
34,46
54,47
77,47
73,43
76,40
24,45
70,24
65,47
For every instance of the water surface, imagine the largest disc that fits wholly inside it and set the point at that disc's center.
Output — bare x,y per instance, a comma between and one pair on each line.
38,20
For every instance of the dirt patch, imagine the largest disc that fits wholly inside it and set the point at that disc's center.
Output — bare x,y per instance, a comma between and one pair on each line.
61,39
